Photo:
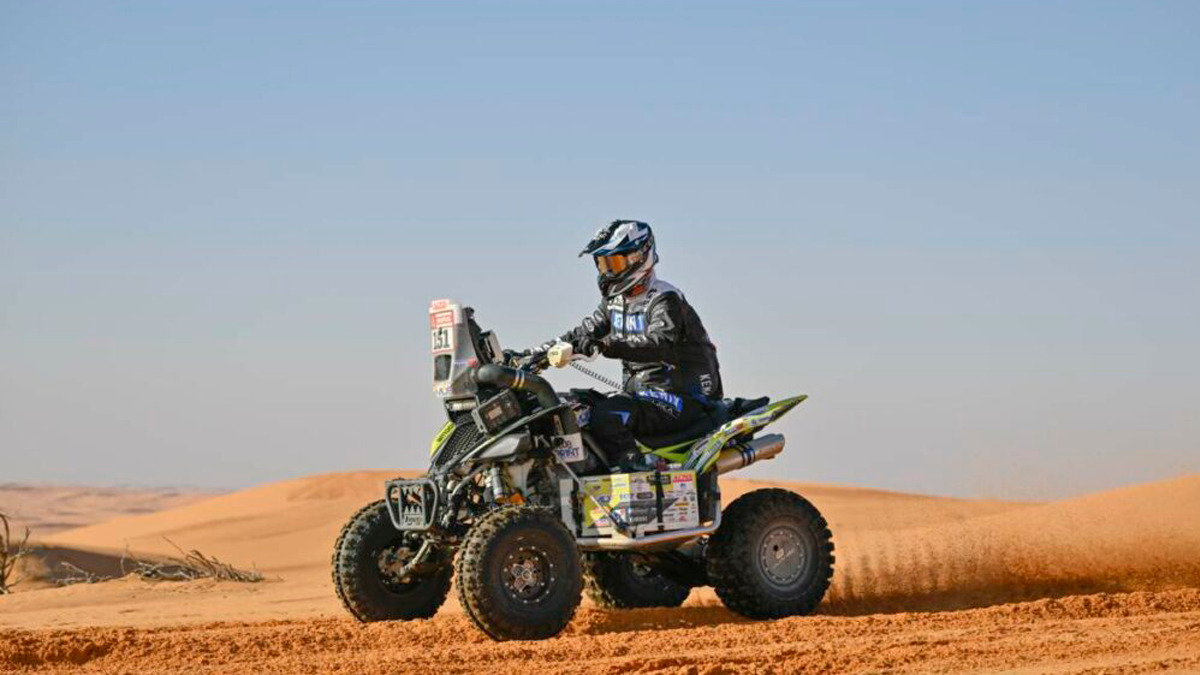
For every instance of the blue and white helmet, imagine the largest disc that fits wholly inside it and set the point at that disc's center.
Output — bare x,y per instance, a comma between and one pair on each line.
624,255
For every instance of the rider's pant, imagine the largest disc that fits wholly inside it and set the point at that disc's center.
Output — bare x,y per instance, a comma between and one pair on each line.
616,421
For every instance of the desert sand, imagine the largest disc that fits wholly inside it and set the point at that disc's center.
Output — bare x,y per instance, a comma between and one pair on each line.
46,509
1108,582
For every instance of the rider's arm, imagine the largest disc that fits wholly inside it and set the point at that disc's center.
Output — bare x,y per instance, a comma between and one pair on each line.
589,331
663,321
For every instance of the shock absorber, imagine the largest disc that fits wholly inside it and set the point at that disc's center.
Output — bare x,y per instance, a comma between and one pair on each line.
496,483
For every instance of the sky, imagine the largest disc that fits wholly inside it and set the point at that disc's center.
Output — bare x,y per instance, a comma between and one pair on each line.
969,231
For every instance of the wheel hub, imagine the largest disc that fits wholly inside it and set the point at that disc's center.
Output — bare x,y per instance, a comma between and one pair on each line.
781,555
391,562
527,574
641,570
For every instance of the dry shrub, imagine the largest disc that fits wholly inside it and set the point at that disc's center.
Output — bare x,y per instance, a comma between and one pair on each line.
189,566
10,553
73,574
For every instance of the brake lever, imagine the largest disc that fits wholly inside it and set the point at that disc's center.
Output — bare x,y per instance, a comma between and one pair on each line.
586,358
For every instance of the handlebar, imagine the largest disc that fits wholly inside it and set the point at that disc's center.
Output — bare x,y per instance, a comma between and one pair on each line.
526,361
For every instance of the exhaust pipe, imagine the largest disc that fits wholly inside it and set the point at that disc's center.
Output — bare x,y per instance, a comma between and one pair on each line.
741,456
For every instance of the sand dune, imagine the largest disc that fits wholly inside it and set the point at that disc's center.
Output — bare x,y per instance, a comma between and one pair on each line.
291,525
1142,537
47,509
896,553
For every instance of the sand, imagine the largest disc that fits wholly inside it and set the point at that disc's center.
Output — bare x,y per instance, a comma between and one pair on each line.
1106,582
46,509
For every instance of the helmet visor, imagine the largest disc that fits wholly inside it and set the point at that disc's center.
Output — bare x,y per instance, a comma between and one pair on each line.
617,262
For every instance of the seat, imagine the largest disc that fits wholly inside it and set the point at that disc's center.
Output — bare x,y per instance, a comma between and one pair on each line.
718,415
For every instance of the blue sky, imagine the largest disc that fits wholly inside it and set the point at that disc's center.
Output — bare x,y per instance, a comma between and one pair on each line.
970,232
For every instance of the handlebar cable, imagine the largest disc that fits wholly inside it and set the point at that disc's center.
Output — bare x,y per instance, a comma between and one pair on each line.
596,376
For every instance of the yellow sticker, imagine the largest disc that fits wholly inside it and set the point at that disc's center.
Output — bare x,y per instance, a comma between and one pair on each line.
441,437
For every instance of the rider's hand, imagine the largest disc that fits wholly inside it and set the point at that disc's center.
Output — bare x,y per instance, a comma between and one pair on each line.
589,347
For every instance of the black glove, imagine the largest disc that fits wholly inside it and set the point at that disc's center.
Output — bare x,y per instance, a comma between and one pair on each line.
589,346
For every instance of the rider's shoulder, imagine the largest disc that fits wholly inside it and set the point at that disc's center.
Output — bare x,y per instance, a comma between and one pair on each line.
660,288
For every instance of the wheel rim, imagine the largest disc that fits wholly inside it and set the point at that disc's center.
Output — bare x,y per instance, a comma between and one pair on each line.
527,575
643,572
782,556
391,560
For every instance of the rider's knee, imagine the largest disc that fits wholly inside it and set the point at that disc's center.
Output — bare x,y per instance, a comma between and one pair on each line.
609,417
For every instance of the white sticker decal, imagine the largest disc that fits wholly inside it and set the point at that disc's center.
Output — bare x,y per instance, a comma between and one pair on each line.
572,450
442,331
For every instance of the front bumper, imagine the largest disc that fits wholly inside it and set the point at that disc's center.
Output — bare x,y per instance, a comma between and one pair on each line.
412,503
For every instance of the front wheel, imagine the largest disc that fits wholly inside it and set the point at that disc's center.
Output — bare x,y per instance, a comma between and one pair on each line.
772,556
518,574
368,553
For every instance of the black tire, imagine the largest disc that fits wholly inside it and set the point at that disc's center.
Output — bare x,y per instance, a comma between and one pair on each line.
617,581
363,585
772,556
518,574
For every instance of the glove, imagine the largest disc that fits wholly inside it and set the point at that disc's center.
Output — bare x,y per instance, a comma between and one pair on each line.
590,347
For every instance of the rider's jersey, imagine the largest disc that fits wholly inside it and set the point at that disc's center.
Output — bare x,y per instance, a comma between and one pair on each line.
660,340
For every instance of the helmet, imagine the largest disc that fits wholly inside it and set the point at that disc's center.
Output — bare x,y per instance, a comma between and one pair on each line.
624,254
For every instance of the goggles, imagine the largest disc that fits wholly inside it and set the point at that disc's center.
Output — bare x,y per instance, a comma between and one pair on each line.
617,262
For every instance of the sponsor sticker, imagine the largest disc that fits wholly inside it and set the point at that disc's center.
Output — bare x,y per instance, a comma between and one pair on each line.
572,448
663,397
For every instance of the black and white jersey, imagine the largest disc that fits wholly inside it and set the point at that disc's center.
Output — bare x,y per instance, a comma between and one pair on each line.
660,340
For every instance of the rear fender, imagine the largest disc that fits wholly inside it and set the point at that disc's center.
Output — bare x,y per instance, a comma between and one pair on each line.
704,453
673,454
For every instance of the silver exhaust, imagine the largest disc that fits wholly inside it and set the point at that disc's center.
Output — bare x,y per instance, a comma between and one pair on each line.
742,456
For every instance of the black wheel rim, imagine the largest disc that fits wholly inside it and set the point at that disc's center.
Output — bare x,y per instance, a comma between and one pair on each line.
527,574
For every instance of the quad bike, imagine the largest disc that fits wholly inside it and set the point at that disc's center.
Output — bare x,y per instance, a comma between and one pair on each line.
521,508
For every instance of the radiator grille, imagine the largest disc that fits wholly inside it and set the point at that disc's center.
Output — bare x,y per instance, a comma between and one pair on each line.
464,437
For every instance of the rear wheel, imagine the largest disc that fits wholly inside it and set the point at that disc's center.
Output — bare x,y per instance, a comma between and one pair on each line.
368,554
620,581
518,574
772,556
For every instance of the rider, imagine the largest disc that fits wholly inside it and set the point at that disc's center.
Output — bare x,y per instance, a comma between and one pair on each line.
670,365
